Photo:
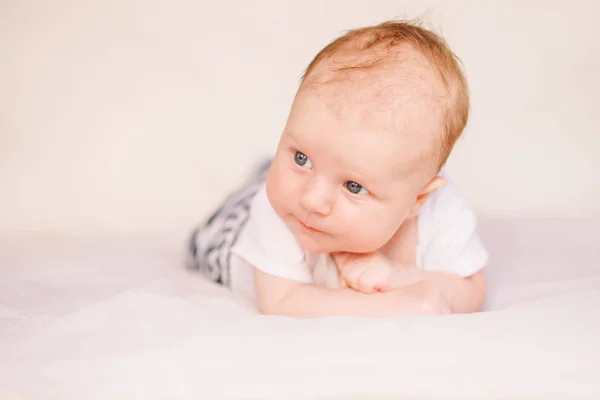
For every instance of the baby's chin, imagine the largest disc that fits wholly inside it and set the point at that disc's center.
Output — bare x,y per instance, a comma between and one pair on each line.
327,246
314,245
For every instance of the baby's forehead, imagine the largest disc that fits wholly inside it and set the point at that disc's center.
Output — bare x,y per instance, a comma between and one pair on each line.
369,137
385,105
396,103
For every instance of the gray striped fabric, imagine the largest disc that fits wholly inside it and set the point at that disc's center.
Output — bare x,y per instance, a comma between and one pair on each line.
209,245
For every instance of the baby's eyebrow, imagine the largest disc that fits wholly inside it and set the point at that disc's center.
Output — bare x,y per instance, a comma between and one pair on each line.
290,135
296,139
365,178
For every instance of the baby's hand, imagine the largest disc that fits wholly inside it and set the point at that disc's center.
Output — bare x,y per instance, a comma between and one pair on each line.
373,272
367,273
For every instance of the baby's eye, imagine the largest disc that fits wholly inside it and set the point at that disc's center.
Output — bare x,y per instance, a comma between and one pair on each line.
302,160
355,188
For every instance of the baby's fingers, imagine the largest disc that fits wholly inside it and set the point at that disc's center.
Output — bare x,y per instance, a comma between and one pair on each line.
351,275
366,279
374,280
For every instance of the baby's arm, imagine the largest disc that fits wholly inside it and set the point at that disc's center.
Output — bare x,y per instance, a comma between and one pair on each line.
373,272
463,295
280,296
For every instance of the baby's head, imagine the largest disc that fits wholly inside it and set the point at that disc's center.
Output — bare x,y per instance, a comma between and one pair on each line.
375,118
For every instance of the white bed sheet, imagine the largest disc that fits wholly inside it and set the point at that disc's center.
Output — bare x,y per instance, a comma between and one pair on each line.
102,318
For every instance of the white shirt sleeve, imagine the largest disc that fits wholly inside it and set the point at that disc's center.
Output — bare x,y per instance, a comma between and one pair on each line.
268,245
448,238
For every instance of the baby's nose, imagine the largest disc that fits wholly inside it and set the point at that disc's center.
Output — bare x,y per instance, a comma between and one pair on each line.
316,198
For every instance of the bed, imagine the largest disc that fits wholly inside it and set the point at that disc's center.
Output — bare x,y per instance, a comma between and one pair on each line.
119,317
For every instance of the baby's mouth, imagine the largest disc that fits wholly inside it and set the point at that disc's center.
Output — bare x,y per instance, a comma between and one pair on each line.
306,226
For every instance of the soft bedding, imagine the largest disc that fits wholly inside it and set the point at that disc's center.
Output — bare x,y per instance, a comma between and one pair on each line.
97,318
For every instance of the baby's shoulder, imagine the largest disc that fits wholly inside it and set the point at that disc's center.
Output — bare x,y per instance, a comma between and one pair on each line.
444,216
268,245
267,233
447,233
446,205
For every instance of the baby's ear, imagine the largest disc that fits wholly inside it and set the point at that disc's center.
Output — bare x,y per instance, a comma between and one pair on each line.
427,191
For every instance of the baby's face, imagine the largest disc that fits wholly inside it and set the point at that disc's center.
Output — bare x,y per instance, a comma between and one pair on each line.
342,179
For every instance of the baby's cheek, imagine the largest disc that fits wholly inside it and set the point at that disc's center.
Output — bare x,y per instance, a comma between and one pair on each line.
366,238
280,188
361,229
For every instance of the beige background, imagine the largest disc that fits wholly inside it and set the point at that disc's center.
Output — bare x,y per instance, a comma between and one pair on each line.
132,116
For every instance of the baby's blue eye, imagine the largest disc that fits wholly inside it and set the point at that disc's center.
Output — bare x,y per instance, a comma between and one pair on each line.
302,160
355,188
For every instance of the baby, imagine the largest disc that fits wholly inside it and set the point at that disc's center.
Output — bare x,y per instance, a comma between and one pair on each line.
353,217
